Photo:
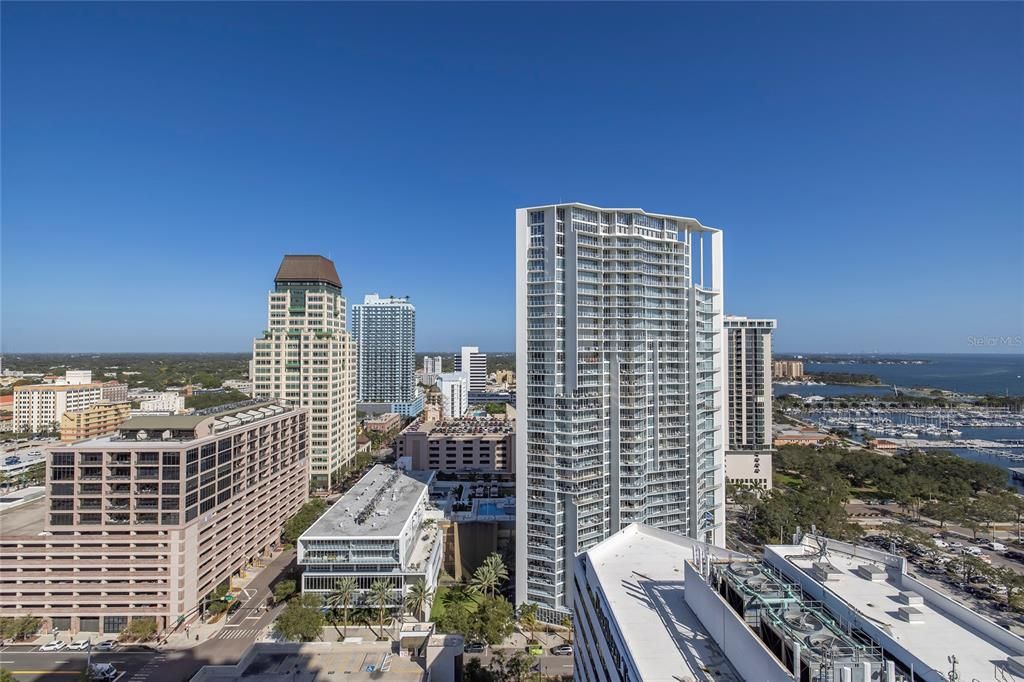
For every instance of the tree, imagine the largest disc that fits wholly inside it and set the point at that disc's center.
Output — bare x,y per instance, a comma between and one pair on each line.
380,597
1016,510
139,629
344,591
6,676
514,668
417,598
1012,581
490,575
493,621
283,589
943,512
567,625
528,619
302,520
475,672
20,627
302,620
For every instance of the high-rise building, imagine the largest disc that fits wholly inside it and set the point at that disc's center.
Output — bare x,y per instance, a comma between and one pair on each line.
474,363
307,358
40,406
384,330
454,388
148,521
432,364
619,385
748,356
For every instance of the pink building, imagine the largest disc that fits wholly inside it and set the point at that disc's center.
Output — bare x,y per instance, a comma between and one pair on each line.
148,521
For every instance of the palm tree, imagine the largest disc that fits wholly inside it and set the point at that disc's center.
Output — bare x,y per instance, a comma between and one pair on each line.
567,624
380,597
417,598
344,590
484,580
497,564
528,619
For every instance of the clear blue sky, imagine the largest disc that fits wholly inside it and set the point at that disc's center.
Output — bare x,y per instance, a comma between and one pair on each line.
865,160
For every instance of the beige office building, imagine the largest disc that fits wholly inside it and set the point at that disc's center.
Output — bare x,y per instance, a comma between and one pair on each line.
40,407
306,357
96,420
468,444
147,522
748,357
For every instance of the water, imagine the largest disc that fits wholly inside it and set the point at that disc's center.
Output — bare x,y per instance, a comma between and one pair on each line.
491,509
978,373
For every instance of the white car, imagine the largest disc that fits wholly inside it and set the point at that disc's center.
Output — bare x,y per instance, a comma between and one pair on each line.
105,645
940,543
79,645
55,645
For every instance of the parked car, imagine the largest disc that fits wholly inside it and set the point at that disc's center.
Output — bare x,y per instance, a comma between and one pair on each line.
940,543
55,645
996,546
475,647
105,645
973,551
102,671
79,645
956,545
562,650
1014,554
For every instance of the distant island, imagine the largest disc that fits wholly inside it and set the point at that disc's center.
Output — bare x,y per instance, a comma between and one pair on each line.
853,360
846,378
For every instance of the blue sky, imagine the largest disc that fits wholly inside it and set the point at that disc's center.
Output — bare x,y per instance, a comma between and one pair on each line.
866,161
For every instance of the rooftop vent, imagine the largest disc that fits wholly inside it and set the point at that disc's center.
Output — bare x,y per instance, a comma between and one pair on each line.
824,571
910,598
872,572
910,614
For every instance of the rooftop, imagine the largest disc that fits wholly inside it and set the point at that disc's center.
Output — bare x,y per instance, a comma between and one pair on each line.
187,427
640,570
938,628
379,504
307,268
354,663
465,426
21,518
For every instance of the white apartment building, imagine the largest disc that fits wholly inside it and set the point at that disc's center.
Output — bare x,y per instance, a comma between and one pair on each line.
748,356
168,401
307,358
432,364
383,528
384,330
474,363
619,385
77,377
39,407
454,387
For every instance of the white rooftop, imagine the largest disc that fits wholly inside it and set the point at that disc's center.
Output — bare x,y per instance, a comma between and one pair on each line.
640,570
940,630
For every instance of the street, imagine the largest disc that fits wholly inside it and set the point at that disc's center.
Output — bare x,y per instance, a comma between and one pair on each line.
172,662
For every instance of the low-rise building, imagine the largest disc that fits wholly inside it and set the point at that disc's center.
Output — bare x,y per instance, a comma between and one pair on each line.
240,385
96,420
147,522
168,401
466,444
114,392
786,435
425,656
382,528
39,407
384,422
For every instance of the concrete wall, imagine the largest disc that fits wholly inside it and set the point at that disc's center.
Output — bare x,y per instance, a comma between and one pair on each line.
748,654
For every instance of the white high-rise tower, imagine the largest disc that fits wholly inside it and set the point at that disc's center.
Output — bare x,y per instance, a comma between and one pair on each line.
620,385
473,364
307,357
384,330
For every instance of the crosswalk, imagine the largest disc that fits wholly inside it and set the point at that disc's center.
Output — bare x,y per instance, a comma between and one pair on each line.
237,633
147,671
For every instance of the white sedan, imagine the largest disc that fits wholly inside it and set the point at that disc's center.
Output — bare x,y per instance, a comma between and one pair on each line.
55,645
79,645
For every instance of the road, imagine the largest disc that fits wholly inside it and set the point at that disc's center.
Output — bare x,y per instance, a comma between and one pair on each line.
149,664
549,665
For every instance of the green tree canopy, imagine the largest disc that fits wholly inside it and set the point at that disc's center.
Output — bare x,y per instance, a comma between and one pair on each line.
302,620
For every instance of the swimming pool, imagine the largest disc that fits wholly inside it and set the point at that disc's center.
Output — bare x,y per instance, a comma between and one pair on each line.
491,509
